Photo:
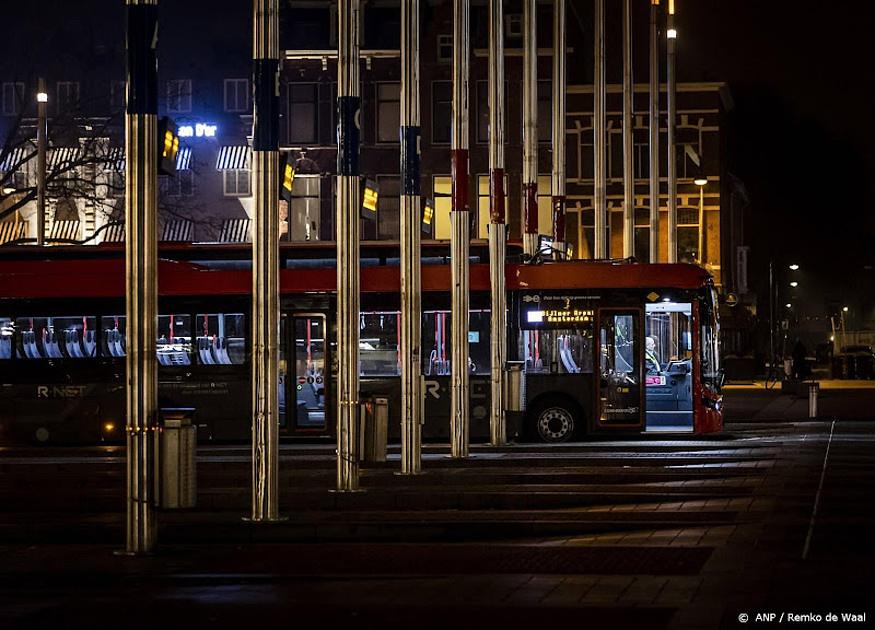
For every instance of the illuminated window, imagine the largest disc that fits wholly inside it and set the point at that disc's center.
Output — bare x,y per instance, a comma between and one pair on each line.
443,205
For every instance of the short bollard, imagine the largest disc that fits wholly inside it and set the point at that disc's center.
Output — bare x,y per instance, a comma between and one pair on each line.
813,390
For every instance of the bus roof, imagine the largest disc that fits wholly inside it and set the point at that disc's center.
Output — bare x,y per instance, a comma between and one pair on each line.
90,273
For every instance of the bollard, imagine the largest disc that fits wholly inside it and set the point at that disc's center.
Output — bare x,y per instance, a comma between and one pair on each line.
813,389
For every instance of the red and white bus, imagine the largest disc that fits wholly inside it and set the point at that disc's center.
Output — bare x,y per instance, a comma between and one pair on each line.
608,348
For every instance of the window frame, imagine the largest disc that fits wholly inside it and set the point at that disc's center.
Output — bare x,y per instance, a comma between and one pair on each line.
16,89
236,83
175,102
237,174
314,102
67,101
377,119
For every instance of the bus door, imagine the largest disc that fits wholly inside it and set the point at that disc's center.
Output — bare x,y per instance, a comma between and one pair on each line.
620,392
303,379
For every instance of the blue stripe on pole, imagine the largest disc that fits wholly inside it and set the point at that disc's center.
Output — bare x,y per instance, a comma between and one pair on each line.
410,151
348,134
266,105
142,58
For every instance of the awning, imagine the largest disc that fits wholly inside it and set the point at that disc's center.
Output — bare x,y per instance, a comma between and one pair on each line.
233,158
115,160
183,159
62,157
14,159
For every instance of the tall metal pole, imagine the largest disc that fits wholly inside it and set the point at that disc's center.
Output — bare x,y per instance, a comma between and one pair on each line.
41,147
461,224
411,221
265,261
497,226
141,265
653,127
560,82
671,33
628,136
600,135
530,128
348,206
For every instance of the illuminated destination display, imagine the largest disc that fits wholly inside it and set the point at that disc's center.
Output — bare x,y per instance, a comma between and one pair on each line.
546,310
560,316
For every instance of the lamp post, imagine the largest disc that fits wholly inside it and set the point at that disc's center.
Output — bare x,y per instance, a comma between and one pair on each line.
701,181
42,99
671,95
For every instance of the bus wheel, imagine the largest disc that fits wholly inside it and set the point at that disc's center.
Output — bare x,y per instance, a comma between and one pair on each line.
554,423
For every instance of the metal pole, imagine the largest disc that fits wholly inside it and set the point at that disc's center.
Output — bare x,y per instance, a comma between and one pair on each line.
141,263
348,206
600,134
654,131
41,147
265,261
628,137
701,243
530,128
559,88
672,148
497,226
771,316
461,222
411,221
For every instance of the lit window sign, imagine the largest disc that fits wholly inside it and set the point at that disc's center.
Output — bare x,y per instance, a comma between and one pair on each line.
198,130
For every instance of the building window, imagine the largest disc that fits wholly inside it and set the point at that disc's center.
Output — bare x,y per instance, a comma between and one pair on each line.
389,207
305,214
68,95
545,112
236,182
441,112
483,110
302,114
115,184
182,184
388,112
443,205
179,96
13,98
236,95
642,234
545,205
445,48
117,95
513,25
688,235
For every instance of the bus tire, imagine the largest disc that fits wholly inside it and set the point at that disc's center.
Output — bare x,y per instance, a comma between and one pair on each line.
554,420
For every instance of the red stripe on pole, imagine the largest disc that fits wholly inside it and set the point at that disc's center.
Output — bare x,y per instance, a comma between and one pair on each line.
459,166
497,210
530,207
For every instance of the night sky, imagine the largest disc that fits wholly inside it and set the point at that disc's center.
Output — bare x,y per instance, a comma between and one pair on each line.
802,136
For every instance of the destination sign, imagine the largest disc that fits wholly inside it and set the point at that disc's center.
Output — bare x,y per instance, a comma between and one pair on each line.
556,310
560,316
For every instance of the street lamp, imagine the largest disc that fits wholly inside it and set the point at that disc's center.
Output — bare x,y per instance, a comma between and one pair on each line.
794,267
794,284
42,99
701,181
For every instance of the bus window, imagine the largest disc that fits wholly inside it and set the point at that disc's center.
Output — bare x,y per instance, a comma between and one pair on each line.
174,340
668,364
620,384
437,342
6,329
380,343
221,338
56,337
113,336
564,351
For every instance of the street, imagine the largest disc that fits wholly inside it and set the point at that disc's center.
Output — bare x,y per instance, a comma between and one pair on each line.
687,533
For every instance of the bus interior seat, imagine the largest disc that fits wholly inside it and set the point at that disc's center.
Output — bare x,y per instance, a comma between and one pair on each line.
203,349
115,343
89,343
565,354
50,342
220,351
71,343
28,344
6,347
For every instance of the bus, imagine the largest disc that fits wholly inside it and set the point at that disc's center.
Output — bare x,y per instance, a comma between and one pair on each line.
607,348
